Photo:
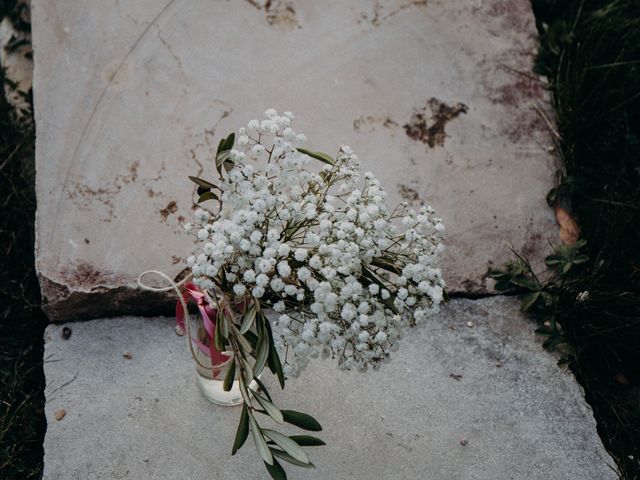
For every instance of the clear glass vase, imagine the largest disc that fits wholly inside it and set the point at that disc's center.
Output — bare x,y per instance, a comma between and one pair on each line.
210,382
211,368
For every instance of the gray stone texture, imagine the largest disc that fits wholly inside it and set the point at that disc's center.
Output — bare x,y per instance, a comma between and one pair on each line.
490,384
437,97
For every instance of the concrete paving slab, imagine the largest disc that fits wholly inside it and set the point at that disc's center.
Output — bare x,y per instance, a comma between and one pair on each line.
490,384
437,97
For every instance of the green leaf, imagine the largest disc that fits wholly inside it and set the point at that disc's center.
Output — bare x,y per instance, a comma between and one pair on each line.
274,359
580,259
288,458
262,353
248,371
261,444
529,300
525,282
252,338
207,196
307,441
269,407
276,471
220,145
243,430
548,298
202,183
302,420
288,445
218,341
244,343
202,190
248,319
275,365
224,327
323,157
552,260
263,388
228,143
222,157
386,265
230,376
243,390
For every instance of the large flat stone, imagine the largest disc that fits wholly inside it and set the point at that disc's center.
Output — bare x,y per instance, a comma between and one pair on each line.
437,97
143,418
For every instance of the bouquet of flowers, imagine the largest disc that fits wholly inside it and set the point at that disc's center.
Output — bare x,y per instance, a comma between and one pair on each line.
308,239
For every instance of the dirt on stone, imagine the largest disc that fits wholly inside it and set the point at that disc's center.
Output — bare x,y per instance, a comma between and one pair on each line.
431,130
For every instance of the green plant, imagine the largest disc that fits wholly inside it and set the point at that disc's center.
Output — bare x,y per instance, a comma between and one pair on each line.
547,294
590,54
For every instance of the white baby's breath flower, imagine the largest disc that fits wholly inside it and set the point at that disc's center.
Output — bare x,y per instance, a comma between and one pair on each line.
315,248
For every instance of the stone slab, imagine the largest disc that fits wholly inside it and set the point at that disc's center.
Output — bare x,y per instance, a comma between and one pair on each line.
437,97
490,384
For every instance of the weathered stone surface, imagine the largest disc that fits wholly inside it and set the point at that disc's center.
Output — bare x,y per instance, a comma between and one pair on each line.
437,97
490,384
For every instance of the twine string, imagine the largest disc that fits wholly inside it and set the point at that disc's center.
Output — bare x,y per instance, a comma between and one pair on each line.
176,288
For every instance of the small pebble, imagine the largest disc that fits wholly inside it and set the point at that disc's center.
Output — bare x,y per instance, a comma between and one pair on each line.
469,324
60,414
463,442
127,355
66,333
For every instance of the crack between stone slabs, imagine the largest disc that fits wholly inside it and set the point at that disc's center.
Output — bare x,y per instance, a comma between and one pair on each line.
62,304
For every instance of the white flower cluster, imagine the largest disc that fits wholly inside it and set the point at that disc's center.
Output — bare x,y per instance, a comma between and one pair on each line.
345,275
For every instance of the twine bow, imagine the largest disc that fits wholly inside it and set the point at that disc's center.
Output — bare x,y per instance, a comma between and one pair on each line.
186,290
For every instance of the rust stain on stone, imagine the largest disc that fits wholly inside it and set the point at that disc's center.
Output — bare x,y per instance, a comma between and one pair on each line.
523,85
514,15
381,13
431,130
279,13
85,274
519,95
534,244
410,194
171,207
84,195
370,121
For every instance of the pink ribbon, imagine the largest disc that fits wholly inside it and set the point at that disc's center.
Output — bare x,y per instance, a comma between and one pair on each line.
208,314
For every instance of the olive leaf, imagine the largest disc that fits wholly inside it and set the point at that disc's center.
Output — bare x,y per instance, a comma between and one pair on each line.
274,359
262,352
207,196
276,471
288,458
288,445
230,376
307,441
269,407
323,157
248,319
243,430
302,420
261,444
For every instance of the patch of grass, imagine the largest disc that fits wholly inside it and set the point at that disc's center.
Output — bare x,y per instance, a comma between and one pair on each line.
22,421
590,52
